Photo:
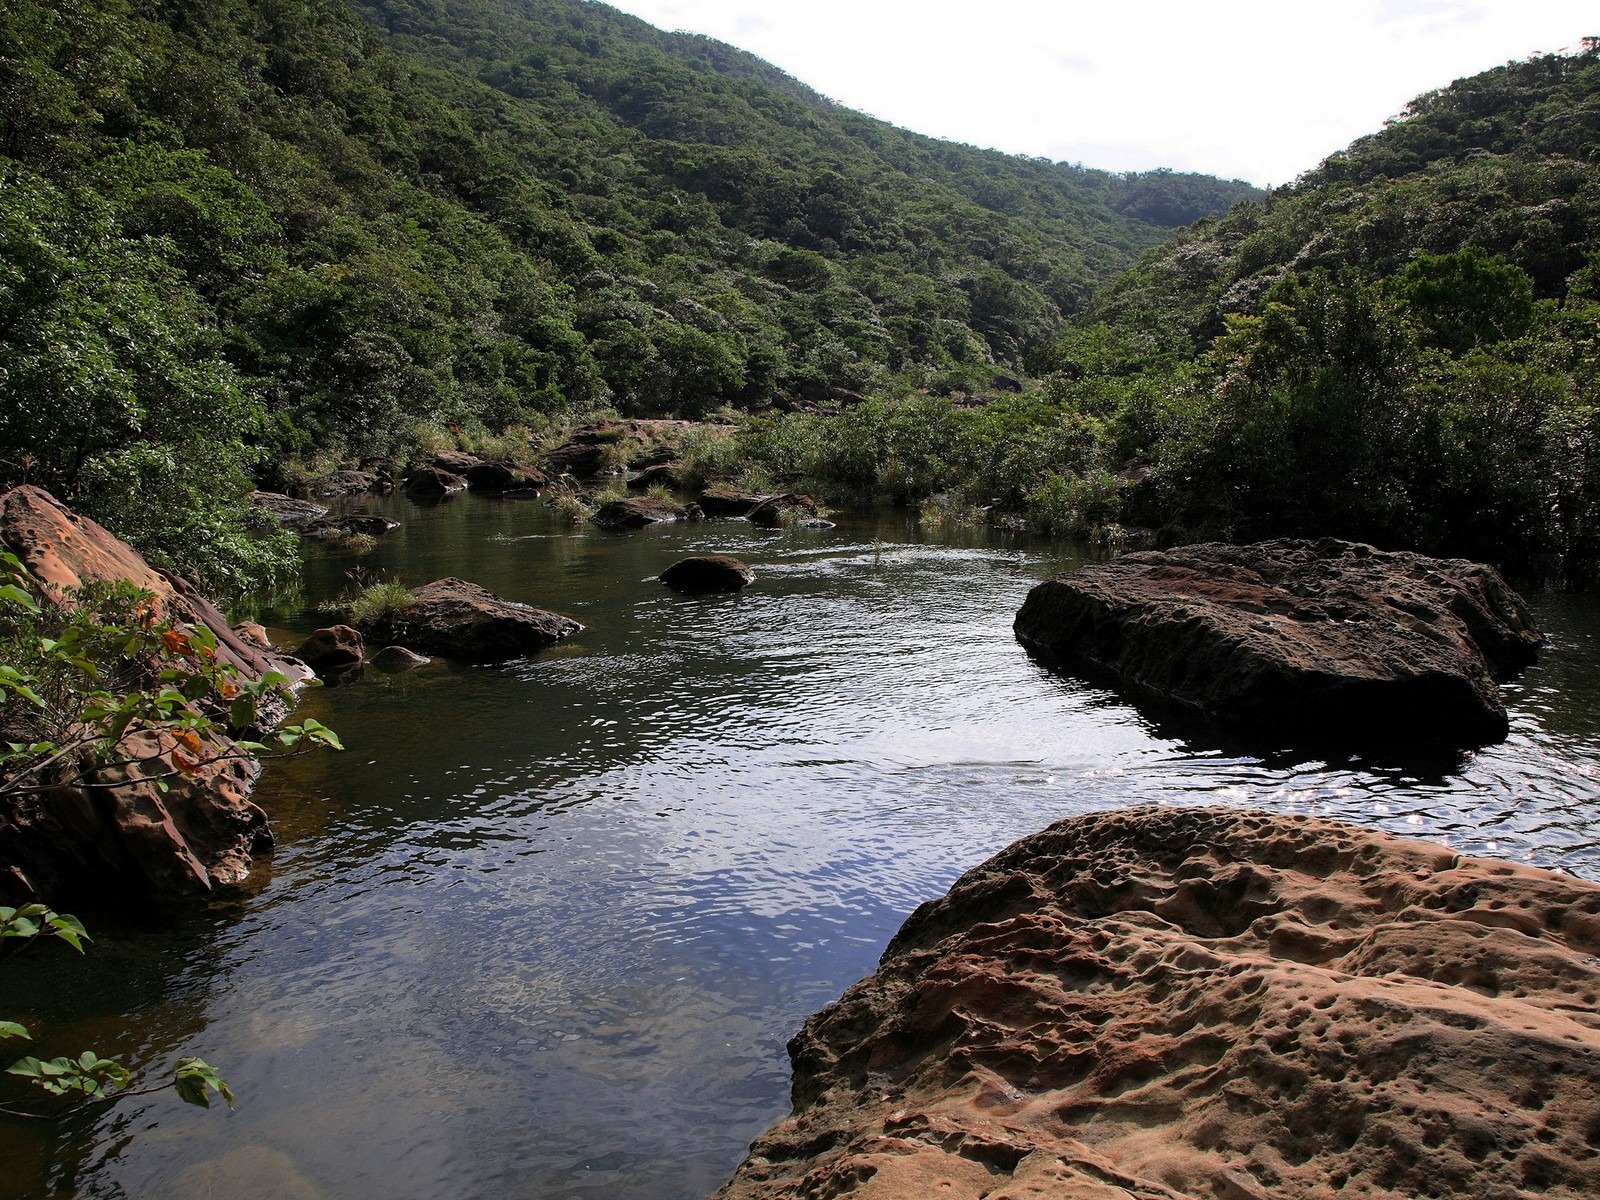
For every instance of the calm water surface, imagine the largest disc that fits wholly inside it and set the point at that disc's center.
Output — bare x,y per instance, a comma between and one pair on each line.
543,929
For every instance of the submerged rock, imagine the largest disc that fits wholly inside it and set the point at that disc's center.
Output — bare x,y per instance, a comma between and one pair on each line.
1295,642
708,573
396,659
457,619
1177,1004
336,528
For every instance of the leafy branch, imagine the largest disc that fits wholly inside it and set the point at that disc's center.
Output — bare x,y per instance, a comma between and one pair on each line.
94,680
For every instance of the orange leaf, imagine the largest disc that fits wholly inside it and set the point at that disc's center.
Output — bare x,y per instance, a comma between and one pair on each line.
175,642
188,739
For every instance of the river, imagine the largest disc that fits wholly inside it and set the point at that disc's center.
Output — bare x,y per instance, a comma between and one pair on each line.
543,929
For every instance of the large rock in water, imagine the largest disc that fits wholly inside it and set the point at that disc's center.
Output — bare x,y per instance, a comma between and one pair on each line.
1164,1004
708,573
1295,641
145,825
457,619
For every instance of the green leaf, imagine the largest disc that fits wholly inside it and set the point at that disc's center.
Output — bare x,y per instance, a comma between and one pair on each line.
10,1029
12,594
28,1068
195,1079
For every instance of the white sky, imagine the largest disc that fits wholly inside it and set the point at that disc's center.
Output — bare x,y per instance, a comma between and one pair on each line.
1252,89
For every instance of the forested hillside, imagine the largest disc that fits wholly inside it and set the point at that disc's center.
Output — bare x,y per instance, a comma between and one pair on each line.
237,230
1401,347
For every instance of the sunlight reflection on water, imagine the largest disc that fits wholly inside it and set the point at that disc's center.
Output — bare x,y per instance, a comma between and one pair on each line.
544,930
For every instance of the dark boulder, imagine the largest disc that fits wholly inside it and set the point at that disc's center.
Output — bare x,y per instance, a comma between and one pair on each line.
431,483
721,501
659,474
457,619
635,512
332,649
1295,643
773,512
498,476
708,573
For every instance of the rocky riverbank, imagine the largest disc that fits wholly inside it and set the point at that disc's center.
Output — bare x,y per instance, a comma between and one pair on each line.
145,822
1174,1003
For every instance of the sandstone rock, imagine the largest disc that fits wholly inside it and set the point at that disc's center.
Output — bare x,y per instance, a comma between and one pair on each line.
396,659
1295,642
708,573
286,510
432,483
1196,1003
332,649
728,502
458,619
253,635
635,512
577,458
116,831
775,511
66,551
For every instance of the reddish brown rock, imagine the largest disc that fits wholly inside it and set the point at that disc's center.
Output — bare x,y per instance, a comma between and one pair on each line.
116,830
333,649
1295,642
457,619
1199,1003
708,573
454,462
65,550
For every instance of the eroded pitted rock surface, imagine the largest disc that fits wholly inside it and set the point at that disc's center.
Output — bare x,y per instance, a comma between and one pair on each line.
1188,1003
1295,641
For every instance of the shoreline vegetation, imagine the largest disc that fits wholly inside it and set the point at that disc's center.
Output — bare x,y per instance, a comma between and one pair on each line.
243,243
